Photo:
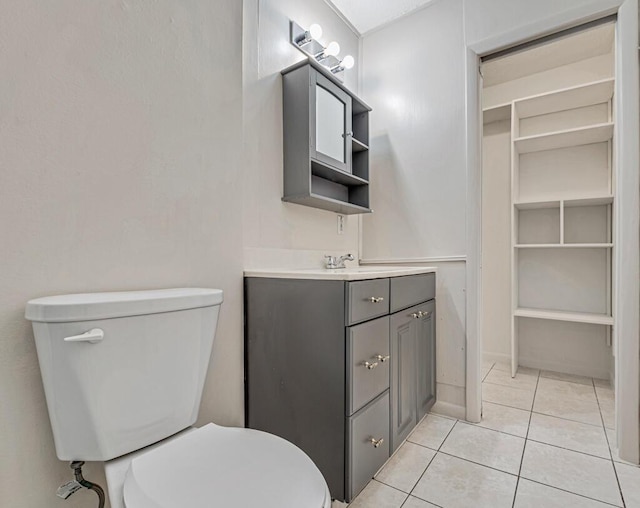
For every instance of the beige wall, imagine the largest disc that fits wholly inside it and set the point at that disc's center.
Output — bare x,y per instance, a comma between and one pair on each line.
120,136
124,167
278,234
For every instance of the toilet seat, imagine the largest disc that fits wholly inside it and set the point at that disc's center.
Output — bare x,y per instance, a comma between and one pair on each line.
221,466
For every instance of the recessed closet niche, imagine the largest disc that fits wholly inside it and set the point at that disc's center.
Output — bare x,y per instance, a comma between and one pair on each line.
548,173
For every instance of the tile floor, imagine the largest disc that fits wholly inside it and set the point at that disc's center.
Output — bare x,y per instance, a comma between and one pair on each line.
546,440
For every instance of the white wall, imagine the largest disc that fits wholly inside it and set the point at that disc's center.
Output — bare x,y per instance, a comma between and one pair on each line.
278,234
120,136
413,78
496,241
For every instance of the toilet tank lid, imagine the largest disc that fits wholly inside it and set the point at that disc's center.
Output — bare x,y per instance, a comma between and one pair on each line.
93,306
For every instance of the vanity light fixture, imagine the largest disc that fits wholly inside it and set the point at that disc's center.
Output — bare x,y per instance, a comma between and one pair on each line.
346,63
307,42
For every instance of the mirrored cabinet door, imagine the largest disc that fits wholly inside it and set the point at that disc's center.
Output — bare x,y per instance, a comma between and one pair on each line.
331,108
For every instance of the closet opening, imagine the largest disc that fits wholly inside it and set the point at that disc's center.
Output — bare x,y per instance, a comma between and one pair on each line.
548,192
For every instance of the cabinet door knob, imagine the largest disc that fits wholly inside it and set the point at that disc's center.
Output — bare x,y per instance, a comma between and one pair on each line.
370,366
348,134
424,314
376,299
382,358
415,315
376,442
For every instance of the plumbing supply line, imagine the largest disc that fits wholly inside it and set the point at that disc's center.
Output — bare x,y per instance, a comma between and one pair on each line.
76,465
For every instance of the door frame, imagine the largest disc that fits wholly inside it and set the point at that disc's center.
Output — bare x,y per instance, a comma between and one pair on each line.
627,204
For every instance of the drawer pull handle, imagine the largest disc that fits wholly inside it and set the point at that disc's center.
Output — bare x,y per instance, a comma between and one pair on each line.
376,299
382,358
424,314
415,315
370,366
376,442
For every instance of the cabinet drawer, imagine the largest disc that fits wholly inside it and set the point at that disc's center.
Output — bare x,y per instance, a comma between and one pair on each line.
412,290
368,443
367,299
367,362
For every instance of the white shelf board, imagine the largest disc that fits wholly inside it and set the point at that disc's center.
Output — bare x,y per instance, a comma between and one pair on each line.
496,113
589,94
535,205
562,139
595,201
554,201
563,245
556,315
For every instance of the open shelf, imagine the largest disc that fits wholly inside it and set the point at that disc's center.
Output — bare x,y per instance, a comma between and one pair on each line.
335,175
588,94
327,203
358,146
563,246
555,315
496,113
536,205
598,133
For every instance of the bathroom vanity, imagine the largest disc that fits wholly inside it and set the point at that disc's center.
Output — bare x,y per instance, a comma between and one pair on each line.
341,363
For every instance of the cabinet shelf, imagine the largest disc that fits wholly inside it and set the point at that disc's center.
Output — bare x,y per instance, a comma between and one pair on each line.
563,245
326,203
555,315
335,175
598,133
358,146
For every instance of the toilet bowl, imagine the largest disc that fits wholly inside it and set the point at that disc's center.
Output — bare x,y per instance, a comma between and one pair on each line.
123,375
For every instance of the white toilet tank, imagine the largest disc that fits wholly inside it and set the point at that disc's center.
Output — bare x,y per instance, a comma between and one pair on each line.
122,370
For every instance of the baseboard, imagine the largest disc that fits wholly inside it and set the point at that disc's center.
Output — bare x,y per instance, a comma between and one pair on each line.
450,410
563,367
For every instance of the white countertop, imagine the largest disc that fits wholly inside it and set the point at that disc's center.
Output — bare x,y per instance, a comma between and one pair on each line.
349,273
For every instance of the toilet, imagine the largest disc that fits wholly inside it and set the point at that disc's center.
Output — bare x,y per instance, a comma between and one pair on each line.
123,375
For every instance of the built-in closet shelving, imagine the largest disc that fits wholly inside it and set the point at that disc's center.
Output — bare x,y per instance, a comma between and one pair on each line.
561,206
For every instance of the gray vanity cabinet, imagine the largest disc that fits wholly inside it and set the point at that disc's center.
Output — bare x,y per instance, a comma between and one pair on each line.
426,358
326,141
413,356
328,368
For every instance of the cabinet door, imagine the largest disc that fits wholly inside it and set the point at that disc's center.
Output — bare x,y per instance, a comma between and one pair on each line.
403,381
330,129
426,357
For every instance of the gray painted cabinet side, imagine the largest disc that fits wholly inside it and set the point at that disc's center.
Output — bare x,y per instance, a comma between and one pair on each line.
295,368
296,131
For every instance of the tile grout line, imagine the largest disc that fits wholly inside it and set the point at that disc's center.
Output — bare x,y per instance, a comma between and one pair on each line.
539,413
570,492
526,438
606,436
431,461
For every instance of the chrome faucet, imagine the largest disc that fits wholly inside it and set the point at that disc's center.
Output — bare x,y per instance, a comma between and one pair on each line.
334,262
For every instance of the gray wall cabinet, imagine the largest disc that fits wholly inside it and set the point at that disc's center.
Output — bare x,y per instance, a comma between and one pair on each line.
326,141
329,369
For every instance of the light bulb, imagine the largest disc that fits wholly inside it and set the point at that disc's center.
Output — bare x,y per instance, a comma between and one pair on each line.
332,49
315,31
347,62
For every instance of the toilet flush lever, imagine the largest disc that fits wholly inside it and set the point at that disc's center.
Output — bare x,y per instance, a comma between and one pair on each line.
93,336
